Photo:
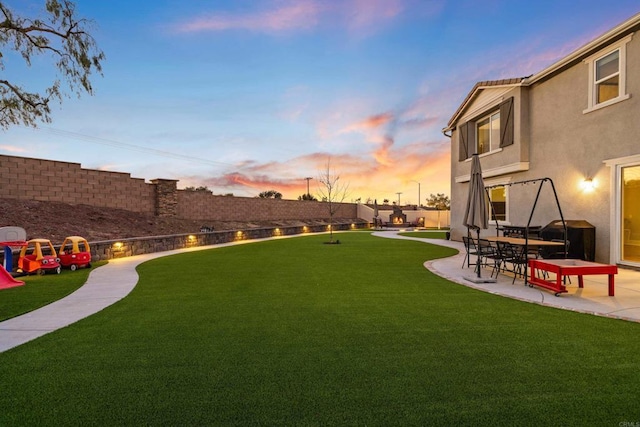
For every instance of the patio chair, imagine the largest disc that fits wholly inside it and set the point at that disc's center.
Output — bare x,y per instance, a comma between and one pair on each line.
471,249
556,252
533,251
493,254
518,258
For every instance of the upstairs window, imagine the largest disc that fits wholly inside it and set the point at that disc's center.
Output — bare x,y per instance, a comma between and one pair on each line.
488,133
607,83
607,76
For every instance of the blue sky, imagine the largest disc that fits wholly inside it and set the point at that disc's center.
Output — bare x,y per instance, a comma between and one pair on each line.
247,96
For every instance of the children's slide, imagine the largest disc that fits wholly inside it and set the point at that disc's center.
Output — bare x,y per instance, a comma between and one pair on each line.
10,237
7,281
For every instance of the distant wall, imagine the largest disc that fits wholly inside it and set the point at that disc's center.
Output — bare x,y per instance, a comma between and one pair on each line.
422,217
47,180
204,205
51,181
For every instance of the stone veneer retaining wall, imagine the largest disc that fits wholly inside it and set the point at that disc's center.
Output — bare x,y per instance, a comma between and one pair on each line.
105,250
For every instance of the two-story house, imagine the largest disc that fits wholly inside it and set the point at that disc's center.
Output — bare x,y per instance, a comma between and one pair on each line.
576,122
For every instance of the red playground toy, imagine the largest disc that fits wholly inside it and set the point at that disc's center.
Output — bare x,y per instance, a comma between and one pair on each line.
74,252
10,237
39,256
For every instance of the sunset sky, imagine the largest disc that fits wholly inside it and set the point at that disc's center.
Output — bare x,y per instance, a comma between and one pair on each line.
246,96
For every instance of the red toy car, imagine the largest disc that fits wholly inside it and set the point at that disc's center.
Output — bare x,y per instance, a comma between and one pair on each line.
38,256
75,252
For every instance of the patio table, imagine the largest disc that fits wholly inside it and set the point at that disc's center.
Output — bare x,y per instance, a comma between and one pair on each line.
569,267
520,241
527,243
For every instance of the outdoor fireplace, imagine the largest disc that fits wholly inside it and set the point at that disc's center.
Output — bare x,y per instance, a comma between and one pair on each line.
397,217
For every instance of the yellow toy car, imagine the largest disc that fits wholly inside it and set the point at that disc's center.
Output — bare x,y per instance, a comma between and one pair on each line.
38,256
75,252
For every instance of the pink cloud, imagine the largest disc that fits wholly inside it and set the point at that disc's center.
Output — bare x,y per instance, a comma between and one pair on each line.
13,149
370,123
293,15
368,14
388,169
357,16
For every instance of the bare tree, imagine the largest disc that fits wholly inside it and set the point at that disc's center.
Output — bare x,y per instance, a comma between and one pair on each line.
61,35
333,192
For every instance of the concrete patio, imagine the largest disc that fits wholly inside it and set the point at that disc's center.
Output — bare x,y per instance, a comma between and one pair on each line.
592,299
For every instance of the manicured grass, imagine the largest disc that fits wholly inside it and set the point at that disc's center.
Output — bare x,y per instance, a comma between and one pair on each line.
39,291
426,234
296,332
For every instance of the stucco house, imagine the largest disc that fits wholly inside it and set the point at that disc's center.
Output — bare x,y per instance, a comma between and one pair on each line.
576,122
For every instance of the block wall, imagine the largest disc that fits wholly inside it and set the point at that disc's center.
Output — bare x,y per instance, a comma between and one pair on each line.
47,180
53,181
203,205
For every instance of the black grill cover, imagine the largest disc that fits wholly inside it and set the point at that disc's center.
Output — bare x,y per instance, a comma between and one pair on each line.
580,234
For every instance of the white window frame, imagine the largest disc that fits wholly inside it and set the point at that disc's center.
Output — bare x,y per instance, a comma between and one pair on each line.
592,100
494,146
496,182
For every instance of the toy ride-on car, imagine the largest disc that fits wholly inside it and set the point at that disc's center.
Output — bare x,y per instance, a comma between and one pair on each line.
75,253
38,256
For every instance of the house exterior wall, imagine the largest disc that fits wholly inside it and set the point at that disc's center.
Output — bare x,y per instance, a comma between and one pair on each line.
559,141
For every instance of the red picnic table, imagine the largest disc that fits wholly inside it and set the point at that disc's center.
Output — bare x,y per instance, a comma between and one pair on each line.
569,267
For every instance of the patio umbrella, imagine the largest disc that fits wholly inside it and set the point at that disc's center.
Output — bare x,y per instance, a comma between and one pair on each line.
375,213
475,216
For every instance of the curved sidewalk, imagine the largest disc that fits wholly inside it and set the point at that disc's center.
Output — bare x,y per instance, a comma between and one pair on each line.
105,286
108,284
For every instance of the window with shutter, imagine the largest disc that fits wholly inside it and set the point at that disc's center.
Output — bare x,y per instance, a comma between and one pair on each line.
471,139
463,149
488,133
506,123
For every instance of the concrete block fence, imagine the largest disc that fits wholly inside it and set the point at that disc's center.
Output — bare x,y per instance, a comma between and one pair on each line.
53,181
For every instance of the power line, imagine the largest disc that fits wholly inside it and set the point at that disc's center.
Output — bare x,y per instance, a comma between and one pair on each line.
133,147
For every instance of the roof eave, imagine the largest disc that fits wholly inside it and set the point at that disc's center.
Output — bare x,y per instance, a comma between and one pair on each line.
476,89
585,50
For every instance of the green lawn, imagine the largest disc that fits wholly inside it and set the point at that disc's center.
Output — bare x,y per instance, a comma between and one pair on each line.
296,332
39,291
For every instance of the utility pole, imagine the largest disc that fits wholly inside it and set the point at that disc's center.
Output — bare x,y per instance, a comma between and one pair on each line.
419,201
308,179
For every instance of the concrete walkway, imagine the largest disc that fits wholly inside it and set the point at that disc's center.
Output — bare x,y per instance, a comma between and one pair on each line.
108,284
592,299
105,286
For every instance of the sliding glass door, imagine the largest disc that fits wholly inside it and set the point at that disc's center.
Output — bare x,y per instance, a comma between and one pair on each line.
630,214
